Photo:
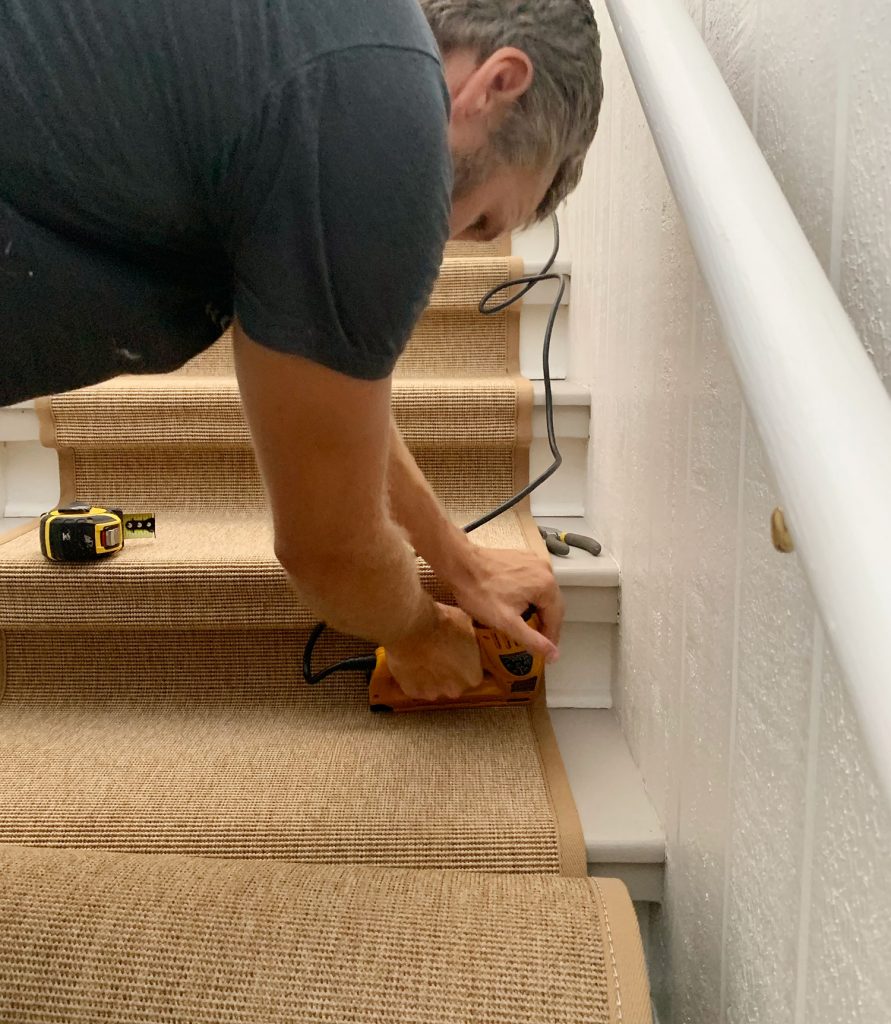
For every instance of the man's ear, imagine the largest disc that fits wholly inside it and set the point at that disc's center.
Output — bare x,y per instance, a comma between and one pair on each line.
497,83
508,74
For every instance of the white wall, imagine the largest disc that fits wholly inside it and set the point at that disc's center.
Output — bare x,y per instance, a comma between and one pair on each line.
779,864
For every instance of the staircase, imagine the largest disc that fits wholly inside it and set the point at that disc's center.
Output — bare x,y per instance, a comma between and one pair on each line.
172,670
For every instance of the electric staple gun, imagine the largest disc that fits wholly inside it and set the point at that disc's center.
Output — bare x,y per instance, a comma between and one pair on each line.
511,675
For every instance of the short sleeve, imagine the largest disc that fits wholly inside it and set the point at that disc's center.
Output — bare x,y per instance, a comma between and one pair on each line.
337,208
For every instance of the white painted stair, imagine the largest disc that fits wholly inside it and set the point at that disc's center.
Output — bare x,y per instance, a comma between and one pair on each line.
583,677
623,836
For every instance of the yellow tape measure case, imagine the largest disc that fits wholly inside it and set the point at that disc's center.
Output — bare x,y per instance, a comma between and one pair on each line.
84,533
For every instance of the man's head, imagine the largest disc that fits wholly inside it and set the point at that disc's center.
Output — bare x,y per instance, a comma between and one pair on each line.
526,88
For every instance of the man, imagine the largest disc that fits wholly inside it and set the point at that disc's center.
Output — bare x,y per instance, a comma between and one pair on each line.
166,165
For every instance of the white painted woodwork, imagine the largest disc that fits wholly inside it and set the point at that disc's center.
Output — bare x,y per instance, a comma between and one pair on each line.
572,409
583,675
533,320
590,584
563,494
18,422
534,244
618,821
778,895
32,479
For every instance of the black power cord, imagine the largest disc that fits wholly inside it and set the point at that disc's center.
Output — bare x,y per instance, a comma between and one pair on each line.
366,664
363,664
485,308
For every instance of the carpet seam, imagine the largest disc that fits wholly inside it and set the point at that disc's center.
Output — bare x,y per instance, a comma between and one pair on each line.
612,950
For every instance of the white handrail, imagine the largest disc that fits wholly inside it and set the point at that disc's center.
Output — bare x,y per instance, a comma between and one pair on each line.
818,403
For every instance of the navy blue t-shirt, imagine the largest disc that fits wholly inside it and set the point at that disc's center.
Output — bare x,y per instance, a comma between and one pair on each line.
287,156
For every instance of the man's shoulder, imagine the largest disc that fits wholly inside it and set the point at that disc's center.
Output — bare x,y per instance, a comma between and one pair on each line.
317,27
344,214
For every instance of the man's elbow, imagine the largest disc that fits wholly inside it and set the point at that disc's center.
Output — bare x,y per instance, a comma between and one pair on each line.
301,559
319,569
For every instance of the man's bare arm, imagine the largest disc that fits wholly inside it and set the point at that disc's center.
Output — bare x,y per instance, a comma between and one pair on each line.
321,441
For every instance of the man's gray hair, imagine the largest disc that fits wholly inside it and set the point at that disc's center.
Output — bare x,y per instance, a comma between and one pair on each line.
553,123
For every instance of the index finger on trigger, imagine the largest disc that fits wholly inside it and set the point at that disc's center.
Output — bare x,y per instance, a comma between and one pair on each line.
522,633
551,609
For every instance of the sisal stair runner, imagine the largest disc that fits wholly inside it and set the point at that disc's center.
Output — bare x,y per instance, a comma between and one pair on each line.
190,833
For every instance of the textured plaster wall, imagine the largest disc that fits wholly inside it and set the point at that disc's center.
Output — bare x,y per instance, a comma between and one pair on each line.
778,905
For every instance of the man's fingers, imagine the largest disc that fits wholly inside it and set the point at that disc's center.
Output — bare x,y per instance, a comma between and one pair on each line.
531,639
551,609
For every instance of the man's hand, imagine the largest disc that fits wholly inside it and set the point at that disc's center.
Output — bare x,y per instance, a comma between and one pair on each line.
442,661
496,586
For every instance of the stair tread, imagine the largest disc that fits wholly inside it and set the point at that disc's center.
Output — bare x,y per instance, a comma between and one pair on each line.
223,564
563,392
580,568
272,768
126,938
618,820
580,576
234,538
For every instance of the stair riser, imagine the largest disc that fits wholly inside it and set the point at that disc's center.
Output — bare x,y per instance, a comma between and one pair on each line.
147,666
201,480
154,668
533,321
563,494
73,597
583,675
207,413
32,480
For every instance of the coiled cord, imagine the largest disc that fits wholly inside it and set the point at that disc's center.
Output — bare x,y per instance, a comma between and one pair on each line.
528,283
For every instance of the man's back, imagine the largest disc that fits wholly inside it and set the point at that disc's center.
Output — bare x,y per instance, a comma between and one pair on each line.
282,160
123,120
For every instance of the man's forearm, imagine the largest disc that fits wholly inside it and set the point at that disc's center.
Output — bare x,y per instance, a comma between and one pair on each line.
365,584
322,445
413,504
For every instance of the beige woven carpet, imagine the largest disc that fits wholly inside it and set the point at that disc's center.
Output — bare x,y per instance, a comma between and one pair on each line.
121,938
152,704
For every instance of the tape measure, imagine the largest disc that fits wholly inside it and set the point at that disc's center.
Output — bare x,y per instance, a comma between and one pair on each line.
85,533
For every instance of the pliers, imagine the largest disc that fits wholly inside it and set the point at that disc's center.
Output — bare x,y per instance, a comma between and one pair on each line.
559,543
